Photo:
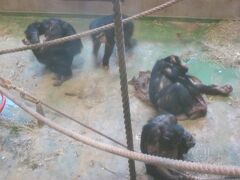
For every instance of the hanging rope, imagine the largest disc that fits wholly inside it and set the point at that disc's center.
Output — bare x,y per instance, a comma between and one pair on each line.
123,81
87,33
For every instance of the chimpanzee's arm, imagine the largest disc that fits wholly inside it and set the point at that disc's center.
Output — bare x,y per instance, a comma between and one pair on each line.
185,81
171,73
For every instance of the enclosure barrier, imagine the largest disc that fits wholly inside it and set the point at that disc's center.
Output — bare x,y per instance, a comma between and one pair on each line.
87,33
149,159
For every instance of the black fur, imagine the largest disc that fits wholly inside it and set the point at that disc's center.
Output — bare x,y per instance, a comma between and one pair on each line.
163,136
58,58
171,89
128,29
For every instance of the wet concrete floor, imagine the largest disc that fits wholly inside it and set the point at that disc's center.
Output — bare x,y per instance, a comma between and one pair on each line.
29,152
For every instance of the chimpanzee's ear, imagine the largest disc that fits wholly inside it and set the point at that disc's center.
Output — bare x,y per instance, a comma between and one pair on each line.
188,140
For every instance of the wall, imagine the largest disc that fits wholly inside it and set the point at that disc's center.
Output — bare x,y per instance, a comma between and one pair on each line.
188,8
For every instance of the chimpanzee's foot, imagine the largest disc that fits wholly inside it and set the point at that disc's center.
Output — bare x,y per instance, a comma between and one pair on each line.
197,112
105,67
60,79
55,78
97,61
58,82
224,90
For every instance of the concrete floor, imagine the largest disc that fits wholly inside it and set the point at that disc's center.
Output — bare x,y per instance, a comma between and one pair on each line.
29,152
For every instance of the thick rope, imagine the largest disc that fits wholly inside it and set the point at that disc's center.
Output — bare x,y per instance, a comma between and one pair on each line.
87,33
27,96
123,82
149,159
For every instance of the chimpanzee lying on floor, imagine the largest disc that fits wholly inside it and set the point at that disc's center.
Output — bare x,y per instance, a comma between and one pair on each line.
170,88
58,58
107,36
163,136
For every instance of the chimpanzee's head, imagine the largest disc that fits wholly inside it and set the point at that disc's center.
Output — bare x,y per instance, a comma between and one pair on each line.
32,33
171,134
53,29
164,136
176,64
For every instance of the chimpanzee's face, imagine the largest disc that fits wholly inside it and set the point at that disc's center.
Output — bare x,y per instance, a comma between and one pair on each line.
171,136
176,64
188,142
170,140
32,34
53,30
32,37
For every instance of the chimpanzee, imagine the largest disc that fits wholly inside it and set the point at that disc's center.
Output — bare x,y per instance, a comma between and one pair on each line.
163,136
107,36
171,89
58,58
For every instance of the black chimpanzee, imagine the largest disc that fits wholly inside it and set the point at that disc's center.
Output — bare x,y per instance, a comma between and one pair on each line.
163,136
107,36
58,58
171,89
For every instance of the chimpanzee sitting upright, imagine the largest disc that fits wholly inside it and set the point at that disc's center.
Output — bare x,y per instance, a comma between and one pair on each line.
171,89
107,36
163,136
58,58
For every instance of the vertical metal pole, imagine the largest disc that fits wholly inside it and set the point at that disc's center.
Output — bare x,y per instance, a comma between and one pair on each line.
123,81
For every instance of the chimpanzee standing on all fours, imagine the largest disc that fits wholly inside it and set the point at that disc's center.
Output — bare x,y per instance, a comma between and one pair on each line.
108,37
